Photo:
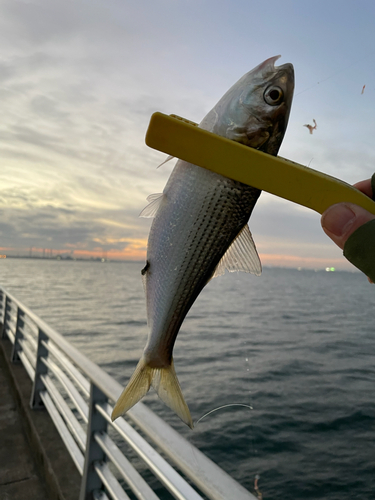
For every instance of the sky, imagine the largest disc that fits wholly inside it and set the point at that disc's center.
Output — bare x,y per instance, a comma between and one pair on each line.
80,79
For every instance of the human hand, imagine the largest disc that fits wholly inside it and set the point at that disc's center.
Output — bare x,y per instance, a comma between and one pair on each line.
352,228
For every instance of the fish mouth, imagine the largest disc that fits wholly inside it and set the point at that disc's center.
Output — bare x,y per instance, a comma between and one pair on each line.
269,62
268,66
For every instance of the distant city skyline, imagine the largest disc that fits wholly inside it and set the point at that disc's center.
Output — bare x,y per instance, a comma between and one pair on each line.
272,260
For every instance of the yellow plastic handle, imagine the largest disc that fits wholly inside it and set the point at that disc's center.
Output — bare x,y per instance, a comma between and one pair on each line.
183,139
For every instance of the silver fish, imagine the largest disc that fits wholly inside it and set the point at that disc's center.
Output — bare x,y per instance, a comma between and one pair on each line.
200,227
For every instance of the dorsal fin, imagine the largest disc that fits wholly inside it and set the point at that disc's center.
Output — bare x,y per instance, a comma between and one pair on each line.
150,210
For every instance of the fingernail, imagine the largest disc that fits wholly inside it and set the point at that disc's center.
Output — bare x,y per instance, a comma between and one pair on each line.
337,219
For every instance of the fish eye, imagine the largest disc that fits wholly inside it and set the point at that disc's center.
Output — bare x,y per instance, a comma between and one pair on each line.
273,96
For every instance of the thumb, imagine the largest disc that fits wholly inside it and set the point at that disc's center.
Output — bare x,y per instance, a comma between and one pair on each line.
341,220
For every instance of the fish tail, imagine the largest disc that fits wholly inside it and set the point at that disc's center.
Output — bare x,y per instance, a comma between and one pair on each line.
138,386
163,380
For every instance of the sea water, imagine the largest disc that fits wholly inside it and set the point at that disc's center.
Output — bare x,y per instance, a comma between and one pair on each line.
296,346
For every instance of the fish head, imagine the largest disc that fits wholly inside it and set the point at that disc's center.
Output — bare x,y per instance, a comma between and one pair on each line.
267,99
255,110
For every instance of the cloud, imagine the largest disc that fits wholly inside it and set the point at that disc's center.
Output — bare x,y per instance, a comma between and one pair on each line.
79,81
59,228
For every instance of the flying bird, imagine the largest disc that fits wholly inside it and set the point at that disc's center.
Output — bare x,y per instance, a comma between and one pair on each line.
310,127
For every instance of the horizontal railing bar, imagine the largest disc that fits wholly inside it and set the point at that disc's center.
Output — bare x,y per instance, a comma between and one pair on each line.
27,335
31,356
110,482
110,387
70,444
10,335
70,368
73,393
26,363
10,300
166,474
11,325
30,324
99,495
9,318
133,478
71,422
213,481
11,308
11,312
11,322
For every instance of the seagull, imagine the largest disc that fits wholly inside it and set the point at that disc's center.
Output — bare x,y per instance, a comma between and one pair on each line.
310,127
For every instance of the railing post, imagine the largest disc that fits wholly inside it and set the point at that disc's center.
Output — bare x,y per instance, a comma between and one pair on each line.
1,312
5,317
36,402
18,335
97,423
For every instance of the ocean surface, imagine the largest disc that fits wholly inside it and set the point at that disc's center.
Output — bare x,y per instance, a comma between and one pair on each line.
296,346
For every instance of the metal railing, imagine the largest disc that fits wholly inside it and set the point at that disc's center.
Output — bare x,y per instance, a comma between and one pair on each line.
78,394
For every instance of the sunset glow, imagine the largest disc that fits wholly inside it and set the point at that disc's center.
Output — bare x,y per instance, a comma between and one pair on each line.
136,251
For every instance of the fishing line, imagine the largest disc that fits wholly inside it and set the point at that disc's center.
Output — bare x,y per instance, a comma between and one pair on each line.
224,406
332,75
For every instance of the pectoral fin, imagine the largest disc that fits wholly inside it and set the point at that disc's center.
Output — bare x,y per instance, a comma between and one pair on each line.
242,255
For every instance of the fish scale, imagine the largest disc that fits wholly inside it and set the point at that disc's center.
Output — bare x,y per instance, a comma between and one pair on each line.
200,227
231,200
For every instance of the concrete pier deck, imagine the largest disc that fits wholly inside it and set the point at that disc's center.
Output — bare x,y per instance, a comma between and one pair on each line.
34,463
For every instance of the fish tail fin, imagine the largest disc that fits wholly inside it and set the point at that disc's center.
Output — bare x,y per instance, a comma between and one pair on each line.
138,386
163,380
165,383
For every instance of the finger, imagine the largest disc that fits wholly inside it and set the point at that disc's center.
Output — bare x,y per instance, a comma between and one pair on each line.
365,187
341,220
